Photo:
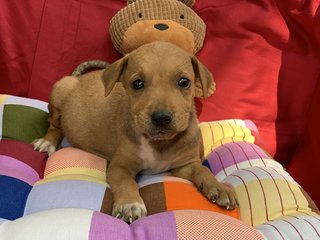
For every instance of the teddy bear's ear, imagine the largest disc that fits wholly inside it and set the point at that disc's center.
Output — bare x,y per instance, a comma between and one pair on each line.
189,3
130,1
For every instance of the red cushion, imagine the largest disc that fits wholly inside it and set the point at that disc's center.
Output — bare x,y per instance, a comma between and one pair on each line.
305,165
49,39
262,54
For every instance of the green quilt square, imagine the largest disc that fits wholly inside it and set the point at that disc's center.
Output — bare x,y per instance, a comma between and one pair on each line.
23,123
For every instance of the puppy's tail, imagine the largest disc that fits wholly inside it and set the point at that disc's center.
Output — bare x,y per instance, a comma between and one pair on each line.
89,65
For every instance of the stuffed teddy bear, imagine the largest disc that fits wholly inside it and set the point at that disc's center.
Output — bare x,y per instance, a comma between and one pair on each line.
145,21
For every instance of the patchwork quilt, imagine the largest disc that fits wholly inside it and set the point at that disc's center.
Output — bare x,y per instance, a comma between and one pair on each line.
66,196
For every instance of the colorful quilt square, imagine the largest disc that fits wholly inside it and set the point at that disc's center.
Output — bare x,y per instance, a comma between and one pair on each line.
23,123
13,197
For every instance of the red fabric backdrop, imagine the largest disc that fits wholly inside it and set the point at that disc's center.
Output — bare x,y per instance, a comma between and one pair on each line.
305,165
263,54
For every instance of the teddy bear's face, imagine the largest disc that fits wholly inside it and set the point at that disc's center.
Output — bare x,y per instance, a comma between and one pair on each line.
147,31
145,21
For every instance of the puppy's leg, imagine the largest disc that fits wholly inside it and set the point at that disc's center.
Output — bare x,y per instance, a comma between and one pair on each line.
50,142
128,205
207,184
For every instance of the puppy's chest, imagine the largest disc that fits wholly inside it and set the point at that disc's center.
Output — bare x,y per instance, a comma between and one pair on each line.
153,161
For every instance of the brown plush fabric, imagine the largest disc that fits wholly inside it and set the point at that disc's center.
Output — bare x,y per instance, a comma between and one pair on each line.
144,10
189,3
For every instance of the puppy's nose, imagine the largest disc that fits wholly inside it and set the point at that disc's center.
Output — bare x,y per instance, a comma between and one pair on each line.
161,26
161,118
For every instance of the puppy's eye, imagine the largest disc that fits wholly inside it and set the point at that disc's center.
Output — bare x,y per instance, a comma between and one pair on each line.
181,16
138,84
140,15
184,82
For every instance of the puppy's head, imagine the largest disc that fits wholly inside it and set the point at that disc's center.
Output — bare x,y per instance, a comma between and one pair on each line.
161,81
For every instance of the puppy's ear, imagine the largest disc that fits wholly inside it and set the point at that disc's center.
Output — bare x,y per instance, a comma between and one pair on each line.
204,84
113,74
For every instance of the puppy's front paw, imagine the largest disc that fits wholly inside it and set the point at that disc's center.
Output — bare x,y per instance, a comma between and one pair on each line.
129,212
222,195
43,145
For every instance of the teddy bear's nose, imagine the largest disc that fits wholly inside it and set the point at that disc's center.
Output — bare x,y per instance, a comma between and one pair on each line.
161,26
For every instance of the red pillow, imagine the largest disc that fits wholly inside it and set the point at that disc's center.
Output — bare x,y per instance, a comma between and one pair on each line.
305,165
263,55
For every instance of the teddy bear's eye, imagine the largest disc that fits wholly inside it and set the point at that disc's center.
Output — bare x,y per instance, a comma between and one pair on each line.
181,16
140,15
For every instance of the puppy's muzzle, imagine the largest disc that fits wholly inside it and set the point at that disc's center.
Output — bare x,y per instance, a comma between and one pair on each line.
161,119
161,126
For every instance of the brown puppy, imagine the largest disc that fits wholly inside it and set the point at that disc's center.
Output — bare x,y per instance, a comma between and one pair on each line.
139,114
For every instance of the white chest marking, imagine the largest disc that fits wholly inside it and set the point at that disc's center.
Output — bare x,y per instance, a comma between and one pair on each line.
146,153
152,162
